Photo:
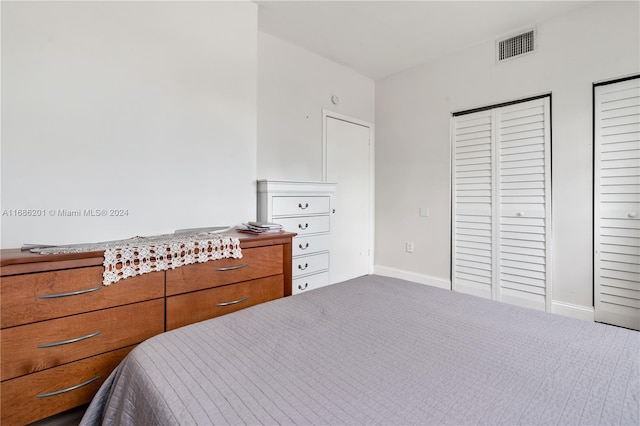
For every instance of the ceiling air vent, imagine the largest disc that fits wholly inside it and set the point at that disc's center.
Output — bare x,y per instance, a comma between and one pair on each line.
516,45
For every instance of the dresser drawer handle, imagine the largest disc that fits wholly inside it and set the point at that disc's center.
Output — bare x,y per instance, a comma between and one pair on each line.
72,293
306,225
64,342
232,268
303,288
306,246
306,206
306,265
45,395
232,302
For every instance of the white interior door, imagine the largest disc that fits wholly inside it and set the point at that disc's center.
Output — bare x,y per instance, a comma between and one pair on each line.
473,246
348,164
617,203
524,189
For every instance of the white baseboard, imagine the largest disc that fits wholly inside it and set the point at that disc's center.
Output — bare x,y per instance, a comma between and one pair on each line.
561,308
573,311
412,276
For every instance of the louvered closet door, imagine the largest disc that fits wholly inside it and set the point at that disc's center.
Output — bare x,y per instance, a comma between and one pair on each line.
473,255
501,208
525,208
617,203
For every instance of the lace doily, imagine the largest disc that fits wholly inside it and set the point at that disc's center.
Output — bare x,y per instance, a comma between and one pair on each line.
141,255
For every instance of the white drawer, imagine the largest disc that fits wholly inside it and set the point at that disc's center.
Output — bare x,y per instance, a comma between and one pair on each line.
310,282
305,265
311,244
300,205
305,225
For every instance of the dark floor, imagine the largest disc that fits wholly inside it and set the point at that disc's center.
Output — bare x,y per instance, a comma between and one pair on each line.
68,418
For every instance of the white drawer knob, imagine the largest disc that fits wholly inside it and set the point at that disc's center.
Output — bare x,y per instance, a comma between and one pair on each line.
632,214
520,214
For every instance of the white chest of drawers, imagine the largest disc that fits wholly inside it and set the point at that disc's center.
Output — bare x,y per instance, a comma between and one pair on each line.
303,208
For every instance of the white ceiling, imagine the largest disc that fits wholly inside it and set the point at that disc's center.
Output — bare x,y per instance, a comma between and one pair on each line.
380,38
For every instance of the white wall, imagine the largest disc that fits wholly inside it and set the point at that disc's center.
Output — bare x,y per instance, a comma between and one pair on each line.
294,85
413,109
144,106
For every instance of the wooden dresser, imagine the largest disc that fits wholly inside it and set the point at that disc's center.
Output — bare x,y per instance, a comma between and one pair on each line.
63,332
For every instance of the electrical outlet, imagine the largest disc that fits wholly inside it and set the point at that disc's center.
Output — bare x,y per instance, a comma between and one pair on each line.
409,247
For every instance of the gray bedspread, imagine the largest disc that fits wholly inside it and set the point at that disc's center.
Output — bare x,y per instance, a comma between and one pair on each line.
378,350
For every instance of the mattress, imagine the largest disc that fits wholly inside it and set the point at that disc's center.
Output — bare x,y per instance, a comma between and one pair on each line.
377,350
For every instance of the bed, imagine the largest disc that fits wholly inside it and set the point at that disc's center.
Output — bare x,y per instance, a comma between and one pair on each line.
377,350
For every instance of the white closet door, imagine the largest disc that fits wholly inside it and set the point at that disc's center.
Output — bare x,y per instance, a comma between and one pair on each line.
525,203
472,246
617,203
502,204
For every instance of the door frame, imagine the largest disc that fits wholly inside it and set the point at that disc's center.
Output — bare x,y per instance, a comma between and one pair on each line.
330,114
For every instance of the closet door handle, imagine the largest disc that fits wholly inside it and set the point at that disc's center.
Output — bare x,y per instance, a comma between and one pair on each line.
306,206
233,302
58,392
306,246
233,268
65,342
71,293
306,225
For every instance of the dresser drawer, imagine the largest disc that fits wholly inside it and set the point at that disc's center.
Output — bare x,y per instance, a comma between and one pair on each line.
201,305
305,225
45,295
309,264
300,205
255,263
43,394
310,282
33,347
311,244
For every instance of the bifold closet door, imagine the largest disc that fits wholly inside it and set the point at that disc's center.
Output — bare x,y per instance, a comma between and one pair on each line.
474,270
501,191
524,189
617,203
